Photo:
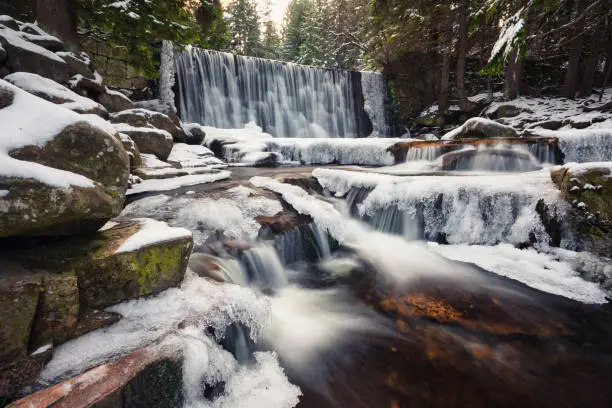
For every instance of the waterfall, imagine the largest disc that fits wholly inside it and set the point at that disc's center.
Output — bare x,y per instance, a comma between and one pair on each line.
286,100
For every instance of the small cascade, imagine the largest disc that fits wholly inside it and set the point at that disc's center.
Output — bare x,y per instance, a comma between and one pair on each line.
305,243
484,157
286,100
264,267
424,153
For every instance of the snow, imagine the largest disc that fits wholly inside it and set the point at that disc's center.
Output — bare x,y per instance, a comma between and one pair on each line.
177,182
151,162
19,40
324,214
185,156
248,144
538,270
100,123
508,35
581,168
27,123
374,89
366,151
125,128
582,145
205,305
38,85
152,232
477,123
4,193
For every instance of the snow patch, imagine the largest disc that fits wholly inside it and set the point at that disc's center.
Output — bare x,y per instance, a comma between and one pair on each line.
177,182
152,232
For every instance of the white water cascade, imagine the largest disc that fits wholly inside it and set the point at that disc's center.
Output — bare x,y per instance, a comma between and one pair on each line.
286,100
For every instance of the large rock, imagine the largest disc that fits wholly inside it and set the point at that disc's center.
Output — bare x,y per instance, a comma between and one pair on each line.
59,175
132,150
145,118
80,64
115,101
588,188
56,93
24,55
194,134
19,292
148,139
161,107
480,128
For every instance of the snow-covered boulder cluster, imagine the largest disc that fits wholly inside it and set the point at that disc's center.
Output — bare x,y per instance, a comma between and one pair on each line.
66,163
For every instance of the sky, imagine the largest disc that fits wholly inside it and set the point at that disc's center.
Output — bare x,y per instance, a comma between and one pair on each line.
278,9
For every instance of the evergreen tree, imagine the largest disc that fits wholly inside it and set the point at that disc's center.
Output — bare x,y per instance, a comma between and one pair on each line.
243,27
272,42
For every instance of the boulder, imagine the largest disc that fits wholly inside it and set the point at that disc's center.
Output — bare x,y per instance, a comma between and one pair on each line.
91,88
24,55
59,174
194,134
587,187
480,128
80,64
115,101
132,150
504,110
145,118
19,293
161,107
148,139
9,22
53,92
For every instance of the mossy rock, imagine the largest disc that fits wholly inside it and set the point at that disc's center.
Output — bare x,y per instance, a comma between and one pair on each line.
104,276
19,293
589,192
34,208
58,309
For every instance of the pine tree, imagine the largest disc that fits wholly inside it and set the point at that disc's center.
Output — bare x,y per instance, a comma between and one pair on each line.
243,26
272,42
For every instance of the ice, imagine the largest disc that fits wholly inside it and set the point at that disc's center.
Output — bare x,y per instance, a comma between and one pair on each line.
177,182
582,145
38,85
186,156
152,232
145,321
538,270
366,152
476,210
233,213
374,89
167,74
324,214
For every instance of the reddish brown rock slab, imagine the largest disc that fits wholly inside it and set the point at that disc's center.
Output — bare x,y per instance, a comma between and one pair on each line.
99,383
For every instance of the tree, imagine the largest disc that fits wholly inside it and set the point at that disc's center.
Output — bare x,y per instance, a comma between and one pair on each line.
243,26
272,42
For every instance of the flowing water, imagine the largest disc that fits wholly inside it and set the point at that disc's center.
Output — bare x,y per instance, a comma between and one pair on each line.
286,100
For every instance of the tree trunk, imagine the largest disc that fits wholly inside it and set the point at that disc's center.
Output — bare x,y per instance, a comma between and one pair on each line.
575,49
512,80
443,103
464,103
59,17
590,68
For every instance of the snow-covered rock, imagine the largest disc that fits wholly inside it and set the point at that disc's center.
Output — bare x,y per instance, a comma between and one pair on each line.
148,139
24,55
59,174
480,128
191,156
194,133
53,92
80,64
115,101
584,145
143,118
